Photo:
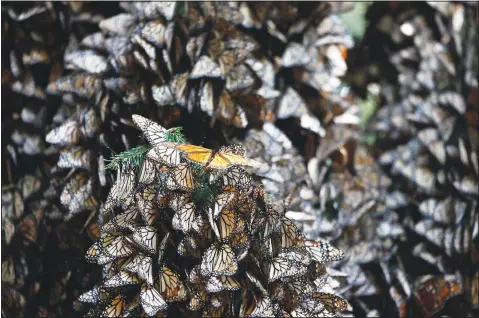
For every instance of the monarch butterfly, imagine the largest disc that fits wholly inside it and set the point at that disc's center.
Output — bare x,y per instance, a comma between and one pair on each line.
170,286
248,303
290,236
467,185
302,287
140,264
272,221
93,296
222,201
151,11
281,268
207,103
237,178
179,88
309,305
145,237
151,300
121,222
295,54
437,210
154,133
205,67
145,203
75,157
178,200
189,247
83,199
121,189
93,230
432,140
212,311
434,233
133,308
219,260
198,299
162,199
115,307
181,177
122,278
29,185
240,79
227,60
262,308
421,176
229,223
297,255
202,227
432,292
165,153
68,133
322,252
245,205
194,276
239,119
220,283
8,229
14,301
8,271
28,88
241,244
331,302
90,123
28,227
214,301
183,220
81,84
147,172
73,186
12,204
368,171
108,248
222,159
227,108
88,61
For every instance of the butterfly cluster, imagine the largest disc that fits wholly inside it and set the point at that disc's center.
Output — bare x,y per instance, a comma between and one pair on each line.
426,141
189,232
215,58
35,275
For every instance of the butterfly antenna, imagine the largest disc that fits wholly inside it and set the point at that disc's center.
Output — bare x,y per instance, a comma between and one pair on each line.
113,151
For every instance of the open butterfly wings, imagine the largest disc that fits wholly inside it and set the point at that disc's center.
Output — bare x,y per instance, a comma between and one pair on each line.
154,133
168,152
221,159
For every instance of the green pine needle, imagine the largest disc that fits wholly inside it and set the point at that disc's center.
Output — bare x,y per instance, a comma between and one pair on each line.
136,155
175,135
133,156
205,192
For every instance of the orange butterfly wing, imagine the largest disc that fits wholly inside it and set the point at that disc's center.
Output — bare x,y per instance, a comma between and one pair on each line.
196,153
221,160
